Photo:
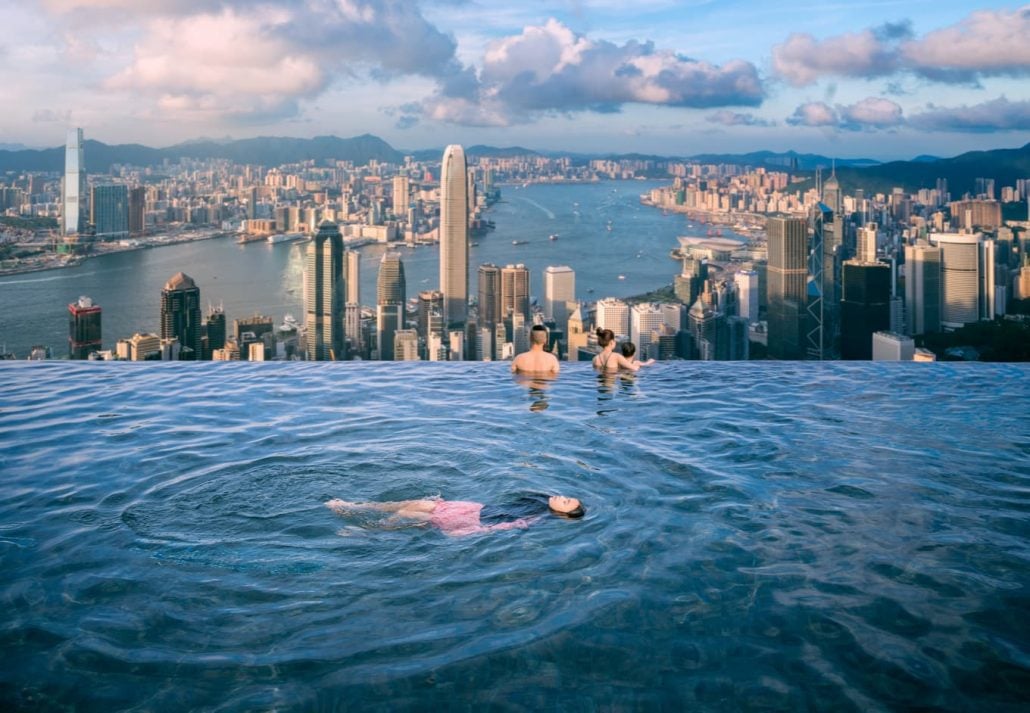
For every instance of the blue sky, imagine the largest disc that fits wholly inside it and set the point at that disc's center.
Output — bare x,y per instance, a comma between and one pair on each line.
873,78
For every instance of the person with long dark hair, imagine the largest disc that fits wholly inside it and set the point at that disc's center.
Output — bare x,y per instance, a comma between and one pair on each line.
458,518
609,361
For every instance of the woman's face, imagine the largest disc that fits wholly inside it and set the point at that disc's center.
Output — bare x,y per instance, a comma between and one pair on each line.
559,503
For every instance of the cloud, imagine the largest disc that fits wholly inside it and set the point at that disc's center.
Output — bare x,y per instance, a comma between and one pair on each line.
257,62
733,118
814,114
50,115
869,114
996,115
551,69
986,43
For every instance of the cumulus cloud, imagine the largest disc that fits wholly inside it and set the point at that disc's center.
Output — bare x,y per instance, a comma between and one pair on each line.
997,115
257,61
986,43
734,118
549,68
869,114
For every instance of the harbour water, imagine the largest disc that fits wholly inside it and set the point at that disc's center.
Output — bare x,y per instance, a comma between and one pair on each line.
266,279
774,536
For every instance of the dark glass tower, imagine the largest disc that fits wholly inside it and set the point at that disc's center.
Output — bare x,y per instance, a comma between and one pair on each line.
83,328
325,295
787,275
180,315
865,307
390,298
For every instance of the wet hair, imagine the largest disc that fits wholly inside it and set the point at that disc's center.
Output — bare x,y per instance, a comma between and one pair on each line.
521,505
605,337
538,334
628,349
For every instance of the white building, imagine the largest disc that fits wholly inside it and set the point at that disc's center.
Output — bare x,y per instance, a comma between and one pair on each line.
613,314
867,243
405,345
559,289
967,278
747,294
890,346
454,238
646,322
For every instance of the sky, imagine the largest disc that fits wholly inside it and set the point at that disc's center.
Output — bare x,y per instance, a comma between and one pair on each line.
849,78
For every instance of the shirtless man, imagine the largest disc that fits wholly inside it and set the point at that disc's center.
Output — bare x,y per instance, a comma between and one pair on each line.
536,360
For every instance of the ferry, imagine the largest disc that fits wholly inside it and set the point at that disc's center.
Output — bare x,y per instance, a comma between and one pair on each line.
285,237
622,277
553,236
519,242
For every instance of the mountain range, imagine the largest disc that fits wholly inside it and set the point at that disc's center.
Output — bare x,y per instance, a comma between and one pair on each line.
1004,165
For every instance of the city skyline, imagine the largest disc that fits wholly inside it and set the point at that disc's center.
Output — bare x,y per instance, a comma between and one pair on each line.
878,79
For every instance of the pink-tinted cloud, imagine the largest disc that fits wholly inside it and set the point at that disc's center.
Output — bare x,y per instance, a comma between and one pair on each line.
996,115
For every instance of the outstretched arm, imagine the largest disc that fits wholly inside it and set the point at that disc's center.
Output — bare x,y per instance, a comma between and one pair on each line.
341,507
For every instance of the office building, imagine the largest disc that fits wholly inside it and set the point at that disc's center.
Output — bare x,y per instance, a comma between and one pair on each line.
143,347
865,307
454,231
787,295
109,211
73,188
613,314
137,210
975,214
559,290
213,332
325,295
866,251
430,316
391,295
83,328
405,345
967,278
489,282
646,324
180,315
400,199
747,294
515,291
890,346
353,260
922,289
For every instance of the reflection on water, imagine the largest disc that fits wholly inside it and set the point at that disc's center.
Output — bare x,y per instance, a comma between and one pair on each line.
537,386
774,536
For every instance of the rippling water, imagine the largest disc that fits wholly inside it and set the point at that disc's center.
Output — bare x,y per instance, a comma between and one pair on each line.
785,536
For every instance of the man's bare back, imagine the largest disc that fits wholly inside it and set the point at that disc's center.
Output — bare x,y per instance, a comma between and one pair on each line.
535,361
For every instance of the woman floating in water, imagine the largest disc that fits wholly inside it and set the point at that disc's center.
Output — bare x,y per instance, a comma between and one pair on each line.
458,518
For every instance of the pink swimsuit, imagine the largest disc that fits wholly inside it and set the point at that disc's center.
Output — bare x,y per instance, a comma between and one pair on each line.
458,518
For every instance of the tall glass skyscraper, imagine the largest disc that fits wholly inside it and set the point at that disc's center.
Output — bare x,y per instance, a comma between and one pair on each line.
73,189
109,211
515,291
787,276
454,234
325,295
180,315
559,290
391,290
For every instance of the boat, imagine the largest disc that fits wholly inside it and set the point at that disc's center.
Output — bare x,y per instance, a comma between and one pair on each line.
285,237
622,277
553,236
243,239
474,245
519,242
609,226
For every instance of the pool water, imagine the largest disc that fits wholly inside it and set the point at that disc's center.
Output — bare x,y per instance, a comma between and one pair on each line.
758,536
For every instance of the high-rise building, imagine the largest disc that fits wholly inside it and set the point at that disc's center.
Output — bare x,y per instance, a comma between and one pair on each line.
180,315
353,277
867,243
490,295
559,290
109,211
430,316
137,210
325,293
787,276
454,234
214,332
646,324
515,291
922,289
83,328
613,314
831,192
73,188
747,294
401,198
405,345
967,278
865,307
390,299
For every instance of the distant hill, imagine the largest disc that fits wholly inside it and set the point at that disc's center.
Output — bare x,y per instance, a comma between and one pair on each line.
1005,166
771,159
264,150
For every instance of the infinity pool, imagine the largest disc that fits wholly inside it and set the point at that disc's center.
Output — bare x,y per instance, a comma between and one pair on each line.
758,536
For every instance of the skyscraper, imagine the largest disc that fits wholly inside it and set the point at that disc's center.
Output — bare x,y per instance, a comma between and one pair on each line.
865,307
180,315
109,211
559,290
515,291
922,289
430,317
325,294
831,192
867,243
83,328
747,291
213,332
787,275
137,210
390,299
967,278
646,324
73,189
454,231
613,314
400,197
489,295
